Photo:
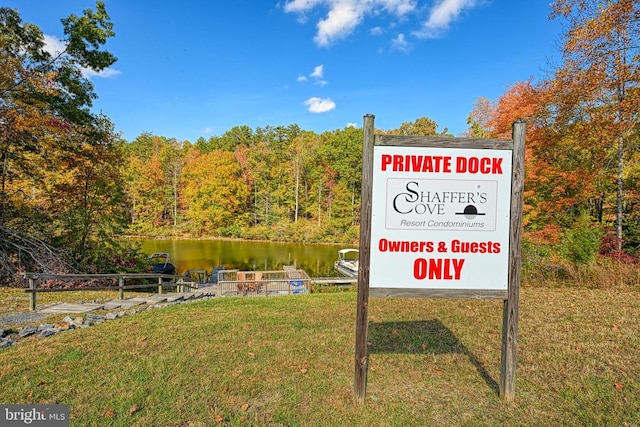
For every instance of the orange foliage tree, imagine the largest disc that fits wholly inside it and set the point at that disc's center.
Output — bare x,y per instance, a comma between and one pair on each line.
582,128
597,92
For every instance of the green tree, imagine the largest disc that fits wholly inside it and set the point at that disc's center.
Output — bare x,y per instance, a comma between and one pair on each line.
49,136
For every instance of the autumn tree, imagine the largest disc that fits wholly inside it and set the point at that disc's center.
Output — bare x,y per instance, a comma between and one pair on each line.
152,162
214,192
598,84
423,126
54,152
478,119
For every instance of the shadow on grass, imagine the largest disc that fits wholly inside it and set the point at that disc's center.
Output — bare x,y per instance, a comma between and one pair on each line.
422,337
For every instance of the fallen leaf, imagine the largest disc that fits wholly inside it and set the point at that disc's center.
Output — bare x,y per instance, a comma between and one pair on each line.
615,327
30,395
110,413
395,332
618,386
41,383
224,389
133,409
303,370
219,418
245,407
424,346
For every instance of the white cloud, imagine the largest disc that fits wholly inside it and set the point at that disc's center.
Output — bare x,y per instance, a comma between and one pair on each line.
317,71
316,75
54,46
319,105
400,43
352,125
376,31
442,15
345,15
106,73
341,20
301,6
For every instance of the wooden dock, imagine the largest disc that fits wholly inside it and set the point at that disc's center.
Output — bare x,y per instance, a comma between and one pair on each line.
334,280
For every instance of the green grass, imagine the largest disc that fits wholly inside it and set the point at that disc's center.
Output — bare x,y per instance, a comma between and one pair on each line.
290,361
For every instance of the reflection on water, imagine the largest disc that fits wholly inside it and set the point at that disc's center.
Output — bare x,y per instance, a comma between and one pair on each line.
316,260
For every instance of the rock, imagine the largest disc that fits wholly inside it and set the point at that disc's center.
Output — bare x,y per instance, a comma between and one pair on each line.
27,330
110,316
44,326
4,343
48,332
63,326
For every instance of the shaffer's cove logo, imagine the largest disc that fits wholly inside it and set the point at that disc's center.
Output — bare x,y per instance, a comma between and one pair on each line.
435,204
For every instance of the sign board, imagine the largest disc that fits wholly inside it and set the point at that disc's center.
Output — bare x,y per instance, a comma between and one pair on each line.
440,218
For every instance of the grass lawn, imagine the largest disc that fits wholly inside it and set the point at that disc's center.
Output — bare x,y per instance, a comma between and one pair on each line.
290,361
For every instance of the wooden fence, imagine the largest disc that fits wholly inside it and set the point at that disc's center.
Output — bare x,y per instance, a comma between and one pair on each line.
163,281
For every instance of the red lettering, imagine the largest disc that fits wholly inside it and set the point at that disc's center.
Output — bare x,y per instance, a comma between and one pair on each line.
438,268
386,161
412,163
496,166
483,165
397,164
420,268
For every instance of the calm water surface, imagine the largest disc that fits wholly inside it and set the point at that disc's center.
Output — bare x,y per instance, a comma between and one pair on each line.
316,260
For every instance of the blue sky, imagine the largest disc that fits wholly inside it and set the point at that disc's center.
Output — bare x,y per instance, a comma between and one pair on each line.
198,68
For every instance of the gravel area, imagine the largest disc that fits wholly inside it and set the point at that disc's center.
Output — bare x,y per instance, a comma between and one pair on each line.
14,319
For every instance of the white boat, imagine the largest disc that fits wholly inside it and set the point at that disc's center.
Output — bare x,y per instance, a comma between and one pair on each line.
347,263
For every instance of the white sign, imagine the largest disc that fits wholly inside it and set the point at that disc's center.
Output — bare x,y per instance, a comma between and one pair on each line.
440,218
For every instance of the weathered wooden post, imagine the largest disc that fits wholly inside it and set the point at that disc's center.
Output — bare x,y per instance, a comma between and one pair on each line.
121,287
32,296
361,357
510,305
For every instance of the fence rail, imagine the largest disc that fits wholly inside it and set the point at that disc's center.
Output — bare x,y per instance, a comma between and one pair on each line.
163,280
289,281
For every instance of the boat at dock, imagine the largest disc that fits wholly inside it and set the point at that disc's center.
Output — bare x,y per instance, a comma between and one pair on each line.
347,262
162,263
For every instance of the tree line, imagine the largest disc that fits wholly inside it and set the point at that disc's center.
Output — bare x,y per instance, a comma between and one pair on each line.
70,186
275,183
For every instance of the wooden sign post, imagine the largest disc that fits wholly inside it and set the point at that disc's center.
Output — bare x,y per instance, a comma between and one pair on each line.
441,218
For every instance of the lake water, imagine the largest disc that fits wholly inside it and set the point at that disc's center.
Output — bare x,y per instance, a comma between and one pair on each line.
316,260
